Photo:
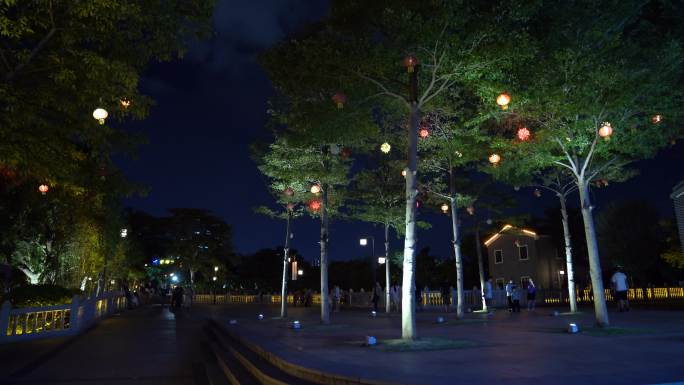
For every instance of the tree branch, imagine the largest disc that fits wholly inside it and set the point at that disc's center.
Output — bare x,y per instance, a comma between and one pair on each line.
384,89
10,75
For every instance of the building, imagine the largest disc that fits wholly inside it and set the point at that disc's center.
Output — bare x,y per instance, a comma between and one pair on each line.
520,254
678,198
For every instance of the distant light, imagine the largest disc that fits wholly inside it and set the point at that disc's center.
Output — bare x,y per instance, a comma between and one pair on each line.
573,328
445,208
440,320
529,232
124,233
112,282
214,278
381,260
174,278
296,325
145,265
261,317
403,173
363,241
215,268
125,103
300,272
562,272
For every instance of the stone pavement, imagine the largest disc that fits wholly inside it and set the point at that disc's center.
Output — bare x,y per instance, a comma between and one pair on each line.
150,345
524,348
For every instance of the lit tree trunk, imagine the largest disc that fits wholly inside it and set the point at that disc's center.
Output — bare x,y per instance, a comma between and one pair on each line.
387,271
325,310
572,293
457,245
594,260
480,267
286,254
408,302
192,276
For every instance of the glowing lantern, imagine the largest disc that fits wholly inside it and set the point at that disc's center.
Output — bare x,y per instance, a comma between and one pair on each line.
606,130
494,159
385,147
315,205
502,100
339,99
423,132
444,207
417,204
315,189
125,103
523,134
403,173
288,191
656,119
410,62
100,114
470,210
43,188
537,193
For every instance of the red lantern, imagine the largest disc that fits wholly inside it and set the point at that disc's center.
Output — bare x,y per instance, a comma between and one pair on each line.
315,205
339,99
606,130
470,210
656,119
523,134
288,191
43,188
423,132
410,62
502,100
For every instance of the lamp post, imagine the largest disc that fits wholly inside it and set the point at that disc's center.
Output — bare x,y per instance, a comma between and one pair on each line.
364,242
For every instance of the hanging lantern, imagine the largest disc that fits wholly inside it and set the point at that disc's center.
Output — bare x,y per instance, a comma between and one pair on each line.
458,154
471,210
410,62
403,173
339,99
289,191
315,189
502,100
417,204
523,134
494,159
125,103
100,114
43,188
346,152
537,193
315,205
290,206
385,147
423,132
606,130
444,207
656,119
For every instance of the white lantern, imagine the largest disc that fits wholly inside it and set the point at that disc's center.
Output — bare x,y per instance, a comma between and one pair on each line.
385,147
100,114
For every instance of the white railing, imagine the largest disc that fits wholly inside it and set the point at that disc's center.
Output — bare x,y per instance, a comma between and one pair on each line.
53,321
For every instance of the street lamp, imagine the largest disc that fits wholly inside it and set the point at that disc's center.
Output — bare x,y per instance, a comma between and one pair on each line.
215,268
381,260
214,278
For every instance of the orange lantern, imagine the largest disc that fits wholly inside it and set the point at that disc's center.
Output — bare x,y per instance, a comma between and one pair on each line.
315,189
502,100
339,99
423,132
43,188
494,159
606,130
445,208
403,173
410,62
315,205
656,119
523,134
125,103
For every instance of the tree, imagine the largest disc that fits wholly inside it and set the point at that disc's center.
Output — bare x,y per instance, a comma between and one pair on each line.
600,68
359,47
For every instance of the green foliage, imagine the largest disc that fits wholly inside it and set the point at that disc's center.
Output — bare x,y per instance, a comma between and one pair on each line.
39,295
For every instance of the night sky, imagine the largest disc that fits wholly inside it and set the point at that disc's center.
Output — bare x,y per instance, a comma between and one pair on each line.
212,105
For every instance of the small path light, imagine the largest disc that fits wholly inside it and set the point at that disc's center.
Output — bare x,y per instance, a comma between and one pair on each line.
296,325
573,328
260,317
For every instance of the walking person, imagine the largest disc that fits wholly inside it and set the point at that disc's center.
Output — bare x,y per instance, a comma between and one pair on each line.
619,283
394,295
531,295
336,299
377,291
509,293
489,293
515,298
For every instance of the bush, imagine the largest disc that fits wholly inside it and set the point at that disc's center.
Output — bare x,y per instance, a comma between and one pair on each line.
39,295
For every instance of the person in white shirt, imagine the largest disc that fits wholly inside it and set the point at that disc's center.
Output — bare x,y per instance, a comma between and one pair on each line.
509,293
619,282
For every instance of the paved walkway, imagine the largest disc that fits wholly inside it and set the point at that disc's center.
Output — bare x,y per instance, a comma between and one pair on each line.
150,345
525,348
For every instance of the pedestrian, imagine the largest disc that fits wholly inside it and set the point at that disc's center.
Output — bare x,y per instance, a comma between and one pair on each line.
308,298
515,297
454,296
336,298
189,293
619,282
531,295
377,290
489,293
509,292
445,296
394,295
419,298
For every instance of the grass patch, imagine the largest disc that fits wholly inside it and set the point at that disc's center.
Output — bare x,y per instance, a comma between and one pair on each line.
613,331
424,344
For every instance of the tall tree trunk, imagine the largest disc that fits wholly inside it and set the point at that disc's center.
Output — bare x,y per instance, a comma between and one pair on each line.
387,271
192,277
325,309
286,254
457,244
594,260
408,302
480,267
572,293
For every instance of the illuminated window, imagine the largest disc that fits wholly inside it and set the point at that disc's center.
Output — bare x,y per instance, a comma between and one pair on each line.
498,256
522,252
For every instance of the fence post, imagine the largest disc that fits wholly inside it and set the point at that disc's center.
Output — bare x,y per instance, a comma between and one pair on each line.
73,314
4,319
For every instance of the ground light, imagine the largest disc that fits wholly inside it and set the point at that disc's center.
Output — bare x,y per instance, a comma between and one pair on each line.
296,325
374,313
260,317
572,328
370,340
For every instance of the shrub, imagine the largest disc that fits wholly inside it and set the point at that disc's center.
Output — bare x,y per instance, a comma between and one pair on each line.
39,295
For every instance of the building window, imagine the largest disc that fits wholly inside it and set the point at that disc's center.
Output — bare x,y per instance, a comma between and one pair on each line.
522,252
499,283
524,281
498,256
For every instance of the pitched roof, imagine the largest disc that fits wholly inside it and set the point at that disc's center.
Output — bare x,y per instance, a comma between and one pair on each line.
510,229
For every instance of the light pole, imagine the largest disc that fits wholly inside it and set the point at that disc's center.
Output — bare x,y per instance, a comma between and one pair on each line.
364,242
